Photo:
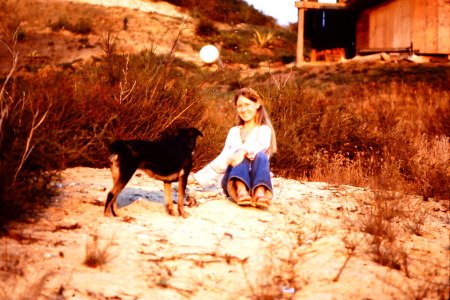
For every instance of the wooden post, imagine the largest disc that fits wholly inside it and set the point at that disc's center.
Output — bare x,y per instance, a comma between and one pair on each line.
303,5
300,34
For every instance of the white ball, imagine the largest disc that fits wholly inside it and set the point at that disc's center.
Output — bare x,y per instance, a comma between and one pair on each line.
209,54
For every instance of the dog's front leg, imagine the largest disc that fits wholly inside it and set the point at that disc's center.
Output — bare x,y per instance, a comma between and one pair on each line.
181,190
168,196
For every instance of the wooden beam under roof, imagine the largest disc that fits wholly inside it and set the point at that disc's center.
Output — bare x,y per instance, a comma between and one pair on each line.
317,5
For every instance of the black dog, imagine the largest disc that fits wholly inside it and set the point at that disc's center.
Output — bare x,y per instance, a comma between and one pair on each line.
168,160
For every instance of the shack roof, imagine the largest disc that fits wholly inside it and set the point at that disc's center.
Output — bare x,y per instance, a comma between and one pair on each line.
358,5
363,4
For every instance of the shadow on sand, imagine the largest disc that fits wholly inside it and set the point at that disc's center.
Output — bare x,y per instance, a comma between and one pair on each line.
130,195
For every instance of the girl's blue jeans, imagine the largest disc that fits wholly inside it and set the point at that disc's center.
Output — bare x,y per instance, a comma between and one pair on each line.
253,173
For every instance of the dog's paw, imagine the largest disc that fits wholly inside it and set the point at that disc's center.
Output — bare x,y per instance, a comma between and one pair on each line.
171,212
111,213
184,214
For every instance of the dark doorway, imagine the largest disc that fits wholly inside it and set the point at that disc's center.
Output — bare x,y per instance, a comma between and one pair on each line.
329,29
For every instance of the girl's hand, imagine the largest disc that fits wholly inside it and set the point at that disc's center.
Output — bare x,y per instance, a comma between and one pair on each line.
237,158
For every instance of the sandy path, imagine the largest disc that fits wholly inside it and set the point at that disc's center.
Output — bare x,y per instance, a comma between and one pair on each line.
222,251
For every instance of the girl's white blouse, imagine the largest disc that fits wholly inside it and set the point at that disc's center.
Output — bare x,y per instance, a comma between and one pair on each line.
257,141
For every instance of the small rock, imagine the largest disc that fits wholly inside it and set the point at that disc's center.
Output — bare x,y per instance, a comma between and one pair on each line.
352,209
100,188
385,56
49,255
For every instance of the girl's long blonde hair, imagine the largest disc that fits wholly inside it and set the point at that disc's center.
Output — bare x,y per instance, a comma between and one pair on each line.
262,116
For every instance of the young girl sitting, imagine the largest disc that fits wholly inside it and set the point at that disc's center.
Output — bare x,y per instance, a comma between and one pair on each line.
244,161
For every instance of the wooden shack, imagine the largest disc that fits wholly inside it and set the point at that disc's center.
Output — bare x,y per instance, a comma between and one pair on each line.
419,26
397,24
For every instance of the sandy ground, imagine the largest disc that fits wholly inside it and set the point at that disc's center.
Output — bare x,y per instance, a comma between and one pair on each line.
296,249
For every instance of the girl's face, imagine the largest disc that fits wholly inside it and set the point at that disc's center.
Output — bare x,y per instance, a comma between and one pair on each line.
246,108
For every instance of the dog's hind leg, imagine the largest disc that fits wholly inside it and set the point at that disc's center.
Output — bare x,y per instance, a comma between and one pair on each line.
169,199
109,210
121,176
110,204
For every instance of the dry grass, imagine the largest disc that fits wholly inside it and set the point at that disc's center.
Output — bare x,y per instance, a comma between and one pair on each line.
97,255
278,276
12,266
341,127
31,290
381,230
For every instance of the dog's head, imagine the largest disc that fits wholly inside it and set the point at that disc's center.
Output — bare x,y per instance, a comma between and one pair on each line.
190,136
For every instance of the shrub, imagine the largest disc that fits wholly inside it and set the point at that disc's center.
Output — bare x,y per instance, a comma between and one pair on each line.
344,127
69,119
62,23
83,26
206,28
229,11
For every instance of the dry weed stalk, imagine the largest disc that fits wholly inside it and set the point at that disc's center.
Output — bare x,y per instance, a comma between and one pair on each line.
432,166
11,263
278,277
31,291
97,256
423,285
125,91
351,245
35,123
415,219
108,45
379,220
35,290
6,102
12,268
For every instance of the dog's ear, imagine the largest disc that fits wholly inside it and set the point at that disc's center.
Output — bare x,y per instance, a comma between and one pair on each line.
191,132
196,132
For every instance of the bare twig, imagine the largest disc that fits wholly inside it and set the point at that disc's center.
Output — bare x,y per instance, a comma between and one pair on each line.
191,95
15,57
28,147
124,91
4,105
351,252
188,256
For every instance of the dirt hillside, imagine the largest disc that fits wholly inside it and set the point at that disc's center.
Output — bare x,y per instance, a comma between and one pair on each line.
136,25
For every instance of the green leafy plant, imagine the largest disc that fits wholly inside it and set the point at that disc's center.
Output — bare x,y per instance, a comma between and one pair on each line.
263,38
